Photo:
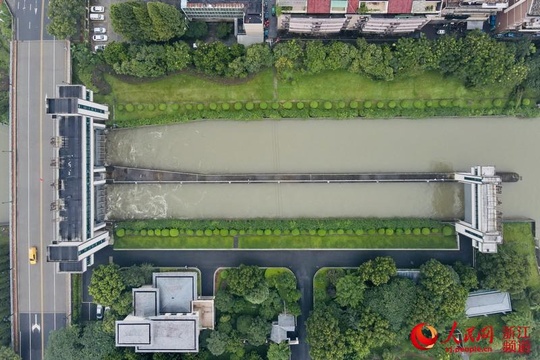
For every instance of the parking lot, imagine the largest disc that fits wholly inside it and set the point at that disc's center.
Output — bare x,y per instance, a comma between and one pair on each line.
106,23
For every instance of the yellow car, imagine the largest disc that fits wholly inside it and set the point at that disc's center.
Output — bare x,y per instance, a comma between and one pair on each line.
32,255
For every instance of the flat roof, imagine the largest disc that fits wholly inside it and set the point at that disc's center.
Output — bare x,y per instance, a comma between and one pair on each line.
205,308
173,334
71,266
399,6
129,333
62,252
70,91
176,291
145,302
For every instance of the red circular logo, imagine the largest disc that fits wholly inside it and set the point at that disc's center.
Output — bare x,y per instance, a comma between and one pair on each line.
420,340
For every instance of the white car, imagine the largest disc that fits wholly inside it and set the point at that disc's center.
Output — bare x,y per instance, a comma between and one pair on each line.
99,47
100,30
99,312
99,17
97,9
441,32
99,37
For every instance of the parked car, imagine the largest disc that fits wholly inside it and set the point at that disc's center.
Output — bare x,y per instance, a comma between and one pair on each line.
100,30
99,312
274,10
97,9
441,32
32,255
99,47
97,17
99,37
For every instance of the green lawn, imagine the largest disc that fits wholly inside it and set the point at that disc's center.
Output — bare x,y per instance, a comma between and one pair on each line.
288,242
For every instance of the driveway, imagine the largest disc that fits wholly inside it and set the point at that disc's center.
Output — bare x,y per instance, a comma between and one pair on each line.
304,264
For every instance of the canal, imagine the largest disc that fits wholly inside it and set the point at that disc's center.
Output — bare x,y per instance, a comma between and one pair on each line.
444,144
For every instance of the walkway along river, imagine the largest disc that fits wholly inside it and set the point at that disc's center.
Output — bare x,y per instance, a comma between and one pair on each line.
287,146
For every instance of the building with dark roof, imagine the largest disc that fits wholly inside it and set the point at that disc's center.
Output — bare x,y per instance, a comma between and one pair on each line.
79,178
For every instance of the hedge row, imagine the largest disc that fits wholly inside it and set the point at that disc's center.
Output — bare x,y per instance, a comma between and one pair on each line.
327,105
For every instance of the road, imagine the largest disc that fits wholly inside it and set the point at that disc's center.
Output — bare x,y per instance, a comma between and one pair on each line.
41,303
304,264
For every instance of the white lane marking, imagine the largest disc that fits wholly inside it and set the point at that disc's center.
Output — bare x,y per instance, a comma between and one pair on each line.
28,200
29,24
35,325
35,11
18,5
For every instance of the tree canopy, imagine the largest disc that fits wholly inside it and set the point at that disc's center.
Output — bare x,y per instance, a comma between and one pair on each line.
350,291
507,270
65,17
106,284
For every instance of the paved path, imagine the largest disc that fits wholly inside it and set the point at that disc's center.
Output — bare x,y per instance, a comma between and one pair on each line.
304,264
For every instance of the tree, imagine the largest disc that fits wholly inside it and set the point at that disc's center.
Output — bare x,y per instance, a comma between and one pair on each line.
257,295
413,55
279,351
258,331
324,335
507,270
378,271
96,343
177,56
224,29
133,276
144,61
64,17
372,331
372,60
243,279
315,57
106,284
7,353
350,291
467,275
115,53
258,56
196,30
63,344
339,55
167,21
436,277
124,19
213,58
217,343
224,301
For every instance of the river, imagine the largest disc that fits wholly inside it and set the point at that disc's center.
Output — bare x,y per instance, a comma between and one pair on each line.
442,144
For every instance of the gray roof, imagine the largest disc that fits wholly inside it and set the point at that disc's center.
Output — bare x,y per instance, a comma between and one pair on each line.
286,323
487,302
176,291
145,301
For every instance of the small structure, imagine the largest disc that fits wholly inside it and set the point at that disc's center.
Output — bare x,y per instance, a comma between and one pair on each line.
483,220
167,316
487,302
284,329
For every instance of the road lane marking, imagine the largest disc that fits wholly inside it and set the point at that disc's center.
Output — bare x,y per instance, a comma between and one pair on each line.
28,193
41,109
29,24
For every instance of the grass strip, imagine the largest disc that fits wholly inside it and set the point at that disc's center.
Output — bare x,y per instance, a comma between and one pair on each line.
520,234
182,242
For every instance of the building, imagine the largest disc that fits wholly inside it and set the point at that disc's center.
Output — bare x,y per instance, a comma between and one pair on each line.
79,178
521,15
284,330
167,316
247,16
486,302
483,220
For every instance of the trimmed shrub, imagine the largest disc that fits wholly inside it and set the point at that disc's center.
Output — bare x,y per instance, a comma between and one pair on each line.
151,107
392,104
300,105
286,231
380,104
263,106
429,103
372,232
459,103
526,102
407,231
340,231
399,231
312,232
406,104
250,106
367,104
417,231
268,232
157,232
150,232
341,105
200,107
349,232
144,232
381,231
260,232
275,106
418,104
359,232
120,107
321,232
314,104
165,232
130,107
327,105
353,104
435,103
208,232
448,230
445,103
189,107
120,232
287,105
242,232
225,106
175,107
136,232
331,232
277,232
497,103
435,230
224,232
191,232
238,106
162,107
233,232
129,232
215,231
295,232
426,231
389,232
213,106
174,232
140,107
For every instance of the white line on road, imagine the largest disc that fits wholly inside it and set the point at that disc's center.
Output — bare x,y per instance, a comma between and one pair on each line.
35,11
28,199
29,24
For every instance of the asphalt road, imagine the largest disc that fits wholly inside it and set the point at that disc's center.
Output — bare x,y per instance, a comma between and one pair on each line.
28,19
41,65
304,263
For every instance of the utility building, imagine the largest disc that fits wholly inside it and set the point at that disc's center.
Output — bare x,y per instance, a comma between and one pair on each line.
79,178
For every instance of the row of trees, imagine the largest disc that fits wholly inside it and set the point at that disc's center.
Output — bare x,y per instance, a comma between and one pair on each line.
5,310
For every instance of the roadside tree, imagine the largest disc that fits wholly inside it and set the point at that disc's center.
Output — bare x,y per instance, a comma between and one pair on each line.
507,270
279,351
350,291
106,284
65,16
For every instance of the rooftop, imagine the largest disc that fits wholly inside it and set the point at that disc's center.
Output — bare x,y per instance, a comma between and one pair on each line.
318,6
535,8
145,302
176,291
399,6
63,253
487,302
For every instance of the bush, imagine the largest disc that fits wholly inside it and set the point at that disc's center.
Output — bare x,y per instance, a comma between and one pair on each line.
459,103
331,232
349,231
242,232
263,106
120,232
447,231
321,232
165,232
287,105
150,232
406,104
189,107
268,232
429,103
367,104
392,104
340,232
434,103
372,232
129,232
198,232
327,105
208,232
399,231
314,104
287,231
224,232
250,106
175,107
389,232
120,107
277,232
238,106
213,106
200,107
445,103
260,232
225,106
435,230
380,104
275,106
526,102
359,232
426,231
341,105
407,231
215,232
136,232
381,231
157,232
174,232
353,104
140,107
417,231
233,232
497,103
162,107
143,232
130,107
151,107
312,232
419,104
300,105
295,232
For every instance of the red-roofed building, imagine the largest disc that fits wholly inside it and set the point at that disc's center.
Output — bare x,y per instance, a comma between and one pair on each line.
318,7
399,6
352,6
